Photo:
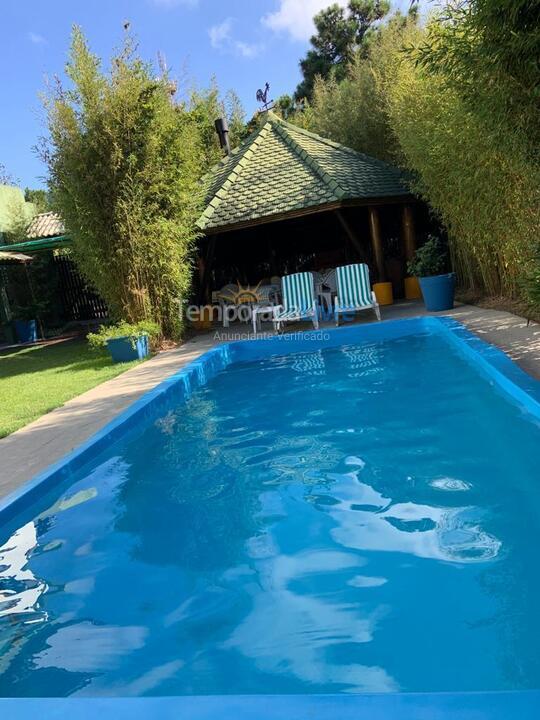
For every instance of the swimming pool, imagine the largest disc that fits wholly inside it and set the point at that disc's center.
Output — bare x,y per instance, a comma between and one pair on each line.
338,515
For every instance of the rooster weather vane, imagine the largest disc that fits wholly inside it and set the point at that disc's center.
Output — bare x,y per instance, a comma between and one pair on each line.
262,97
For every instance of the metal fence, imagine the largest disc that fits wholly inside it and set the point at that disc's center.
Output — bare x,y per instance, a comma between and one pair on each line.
79,300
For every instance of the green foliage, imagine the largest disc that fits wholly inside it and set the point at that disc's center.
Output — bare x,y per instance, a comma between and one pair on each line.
473,167
353,111
430,259
340,33
16,214
30,311
18,219
479,64
442,102
298,112
489,51
531,282
124,161
39,198
36,283
207,105
285,106
124,329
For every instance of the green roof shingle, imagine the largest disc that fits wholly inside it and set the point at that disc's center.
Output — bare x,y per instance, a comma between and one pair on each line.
282,169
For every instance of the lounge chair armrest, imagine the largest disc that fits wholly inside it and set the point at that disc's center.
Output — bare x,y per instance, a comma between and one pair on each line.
374,297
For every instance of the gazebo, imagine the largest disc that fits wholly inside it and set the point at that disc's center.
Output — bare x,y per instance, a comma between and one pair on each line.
287,199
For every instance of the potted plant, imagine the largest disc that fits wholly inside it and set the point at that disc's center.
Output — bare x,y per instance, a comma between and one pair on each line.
125,341
25,320
430,265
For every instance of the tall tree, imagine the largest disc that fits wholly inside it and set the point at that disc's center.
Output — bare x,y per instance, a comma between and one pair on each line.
468,144
205,106
124,160
340,33
489,52
353,111
460,111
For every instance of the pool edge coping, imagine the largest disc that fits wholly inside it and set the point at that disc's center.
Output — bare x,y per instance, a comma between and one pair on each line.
496,705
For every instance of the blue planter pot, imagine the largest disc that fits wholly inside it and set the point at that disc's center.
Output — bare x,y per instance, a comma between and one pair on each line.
126,349
26,330
438,291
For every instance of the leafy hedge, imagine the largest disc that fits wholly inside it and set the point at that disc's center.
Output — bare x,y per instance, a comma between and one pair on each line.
133,331
124,163
456,103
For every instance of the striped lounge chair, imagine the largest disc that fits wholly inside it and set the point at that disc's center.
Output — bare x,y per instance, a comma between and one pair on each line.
354,291
299,301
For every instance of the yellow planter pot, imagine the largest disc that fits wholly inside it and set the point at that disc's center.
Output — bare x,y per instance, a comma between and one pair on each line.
412,289
383,293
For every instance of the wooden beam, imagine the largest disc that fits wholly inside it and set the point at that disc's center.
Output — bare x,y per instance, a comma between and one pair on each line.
376,242
314,210
409,235
353,237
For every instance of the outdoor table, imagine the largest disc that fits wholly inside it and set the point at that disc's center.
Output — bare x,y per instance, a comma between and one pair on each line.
258,310
325,299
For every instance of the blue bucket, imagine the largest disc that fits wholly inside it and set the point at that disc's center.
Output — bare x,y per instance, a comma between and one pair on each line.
26,330
438,291
126,349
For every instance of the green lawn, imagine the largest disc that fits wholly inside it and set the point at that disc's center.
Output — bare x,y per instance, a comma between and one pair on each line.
35,380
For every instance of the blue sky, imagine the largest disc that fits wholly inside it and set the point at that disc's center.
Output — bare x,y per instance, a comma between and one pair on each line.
242,42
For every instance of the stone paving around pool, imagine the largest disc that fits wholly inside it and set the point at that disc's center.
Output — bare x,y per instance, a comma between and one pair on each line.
33,448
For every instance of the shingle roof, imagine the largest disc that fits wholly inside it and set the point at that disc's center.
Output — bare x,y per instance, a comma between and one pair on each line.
7,256
282,169
45,225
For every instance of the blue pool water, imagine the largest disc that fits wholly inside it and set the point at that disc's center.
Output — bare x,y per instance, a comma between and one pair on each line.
363,518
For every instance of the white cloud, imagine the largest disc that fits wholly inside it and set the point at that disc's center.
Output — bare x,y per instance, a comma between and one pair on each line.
247,50
220,35
295,17
36,38
221,38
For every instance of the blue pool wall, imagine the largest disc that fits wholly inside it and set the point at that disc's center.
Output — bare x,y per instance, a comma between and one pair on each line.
489,360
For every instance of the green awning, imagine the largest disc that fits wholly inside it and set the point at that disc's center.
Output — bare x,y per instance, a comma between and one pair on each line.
49,243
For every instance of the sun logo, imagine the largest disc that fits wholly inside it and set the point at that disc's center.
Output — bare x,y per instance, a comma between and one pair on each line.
244,295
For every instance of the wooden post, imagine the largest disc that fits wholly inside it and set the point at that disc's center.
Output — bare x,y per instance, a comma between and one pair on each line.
351,235
207,269
376,243
409,236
